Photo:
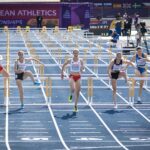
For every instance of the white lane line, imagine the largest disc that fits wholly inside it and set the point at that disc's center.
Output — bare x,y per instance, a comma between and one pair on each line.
31,121
31,125
34,139
93,139
132,130
134,125
33,128
90,147
139,146
7,120
80,125
83,128
21,132
102,121
33,136
124,99
79,121
86,136
63,110
85,132
111,88
131,121
50,110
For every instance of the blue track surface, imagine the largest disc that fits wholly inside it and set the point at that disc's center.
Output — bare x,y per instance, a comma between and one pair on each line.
42,125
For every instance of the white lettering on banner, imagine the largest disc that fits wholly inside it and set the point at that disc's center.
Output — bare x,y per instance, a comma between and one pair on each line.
7,13
37,13
28,12
20,13
52,13
14,22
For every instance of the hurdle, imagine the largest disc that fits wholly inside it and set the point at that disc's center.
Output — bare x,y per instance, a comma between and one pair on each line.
32,51
95,64
44,29
27,29
56,29
66,68
41,70
29,44
99,49
131,90
90,90
70,28
110,54
5,29
85,56
145,83
6,80
18,29
48,89
60,56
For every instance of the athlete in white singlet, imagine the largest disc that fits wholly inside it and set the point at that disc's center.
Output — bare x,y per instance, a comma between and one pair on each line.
115,71
21,73
76,68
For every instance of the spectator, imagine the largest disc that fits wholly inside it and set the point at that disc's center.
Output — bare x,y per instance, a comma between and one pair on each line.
115,37
136,19
39,21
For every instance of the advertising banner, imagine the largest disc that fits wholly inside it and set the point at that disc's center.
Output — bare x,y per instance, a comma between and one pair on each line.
66,15
80,15
26,14
76,14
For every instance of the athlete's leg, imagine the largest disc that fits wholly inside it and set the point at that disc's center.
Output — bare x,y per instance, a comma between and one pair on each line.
77,91
72,88
4,73
114,87
20,88
138,74
30,74
141,84
124,75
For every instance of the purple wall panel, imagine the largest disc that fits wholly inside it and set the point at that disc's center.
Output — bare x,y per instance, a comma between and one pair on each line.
80,15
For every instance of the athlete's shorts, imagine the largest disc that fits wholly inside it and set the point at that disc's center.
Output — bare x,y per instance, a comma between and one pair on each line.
1,68
141,70
75,77
115,75
19,76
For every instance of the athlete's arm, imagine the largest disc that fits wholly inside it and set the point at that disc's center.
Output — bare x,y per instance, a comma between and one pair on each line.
64,65
82,66
128,63
131,62
133,59
146,58
31,58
